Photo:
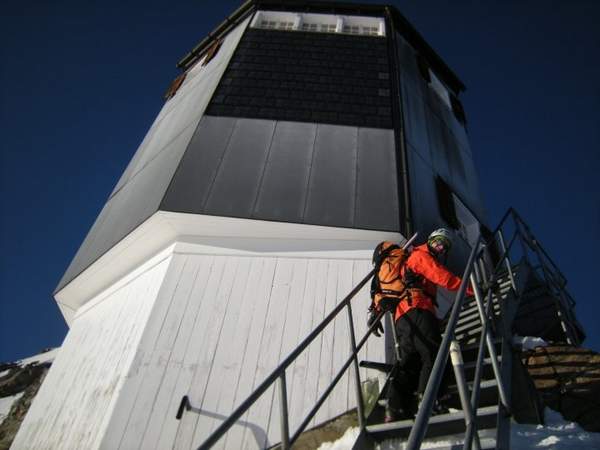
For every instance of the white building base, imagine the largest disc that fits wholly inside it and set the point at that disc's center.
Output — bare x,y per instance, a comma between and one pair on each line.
209,317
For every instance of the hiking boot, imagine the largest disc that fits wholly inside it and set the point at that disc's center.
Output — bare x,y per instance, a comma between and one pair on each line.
439,405
439,408
393,414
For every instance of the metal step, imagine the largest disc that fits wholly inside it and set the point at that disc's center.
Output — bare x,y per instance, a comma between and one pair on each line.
488,394
441,425
472,313
488,370
468,335
469,350
487,439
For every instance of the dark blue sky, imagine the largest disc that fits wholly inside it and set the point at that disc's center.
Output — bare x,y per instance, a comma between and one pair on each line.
81,82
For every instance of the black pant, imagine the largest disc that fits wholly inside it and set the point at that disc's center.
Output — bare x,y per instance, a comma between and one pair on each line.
419,337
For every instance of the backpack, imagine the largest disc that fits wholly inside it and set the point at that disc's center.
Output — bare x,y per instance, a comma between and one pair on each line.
388,259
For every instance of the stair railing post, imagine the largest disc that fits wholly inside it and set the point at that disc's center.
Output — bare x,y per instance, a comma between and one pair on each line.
480,356
419,428
521,236
490,344
507,260
471,435
360,408
283,412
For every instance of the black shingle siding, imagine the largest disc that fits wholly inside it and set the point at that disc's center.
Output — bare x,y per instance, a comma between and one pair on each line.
307,77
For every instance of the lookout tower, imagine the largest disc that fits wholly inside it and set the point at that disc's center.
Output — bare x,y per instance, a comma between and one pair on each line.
298,136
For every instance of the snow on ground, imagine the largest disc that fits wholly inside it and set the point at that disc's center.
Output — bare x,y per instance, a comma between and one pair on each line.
529,342
556,434
343,443
6,403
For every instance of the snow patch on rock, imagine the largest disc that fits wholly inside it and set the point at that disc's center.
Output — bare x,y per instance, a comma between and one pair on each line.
40,358
6,403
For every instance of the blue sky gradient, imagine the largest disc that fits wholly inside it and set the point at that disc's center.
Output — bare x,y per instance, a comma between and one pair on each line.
81,82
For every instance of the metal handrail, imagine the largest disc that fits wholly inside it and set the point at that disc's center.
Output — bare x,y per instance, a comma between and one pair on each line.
545,267
417,433
279,374
471,274
450,346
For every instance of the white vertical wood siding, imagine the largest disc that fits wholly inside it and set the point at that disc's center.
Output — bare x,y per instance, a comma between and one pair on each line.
77,398
221,324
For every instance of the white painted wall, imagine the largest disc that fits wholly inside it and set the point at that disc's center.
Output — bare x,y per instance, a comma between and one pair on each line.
209,318
221,324
77,398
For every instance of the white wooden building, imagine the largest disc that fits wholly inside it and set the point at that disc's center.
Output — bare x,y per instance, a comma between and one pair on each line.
249,210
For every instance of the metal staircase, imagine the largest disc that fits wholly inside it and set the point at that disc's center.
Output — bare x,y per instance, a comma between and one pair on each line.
512,281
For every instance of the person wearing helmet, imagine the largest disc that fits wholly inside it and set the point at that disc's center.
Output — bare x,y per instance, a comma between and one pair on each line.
416,322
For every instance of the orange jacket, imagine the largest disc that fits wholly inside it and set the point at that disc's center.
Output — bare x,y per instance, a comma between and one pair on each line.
433,274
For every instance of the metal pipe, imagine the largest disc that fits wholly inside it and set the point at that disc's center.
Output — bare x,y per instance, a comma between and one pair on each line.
463,392
422,420
283,411
359,398
491,348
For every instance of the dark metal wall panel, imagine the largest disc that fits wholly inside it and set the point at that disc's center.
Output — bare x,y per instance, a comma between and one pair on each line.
140,190
426,214
282,194
309,77
377,205
414,118
289,171
137,200
439,152
331,190
238,178
195,175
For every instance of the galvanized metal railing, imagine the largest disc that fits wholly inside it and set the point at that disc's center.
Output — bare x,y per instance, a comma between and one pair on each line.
279,375
478,264
533,253
479,271
474,273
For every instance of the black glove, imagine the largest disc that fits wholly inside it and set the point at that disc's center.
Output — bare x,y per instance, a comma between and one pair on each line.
378,329
389,303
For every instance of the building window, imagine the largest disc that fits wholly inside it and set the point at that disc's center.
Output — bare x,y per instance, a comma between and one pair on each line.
370,31
309,26
211,52
458,110
456,214
268,24
439,88
286,25
351,29
328,28
423,68
319,23
430,77
446,203
174,87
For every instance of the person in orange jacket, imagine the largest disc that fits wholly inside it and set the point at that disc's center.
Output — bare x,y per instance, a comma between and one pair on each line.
416,322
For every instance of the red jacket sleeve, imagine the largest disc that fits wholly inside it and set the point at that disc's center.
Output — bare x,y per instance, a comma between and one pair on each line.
426,265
